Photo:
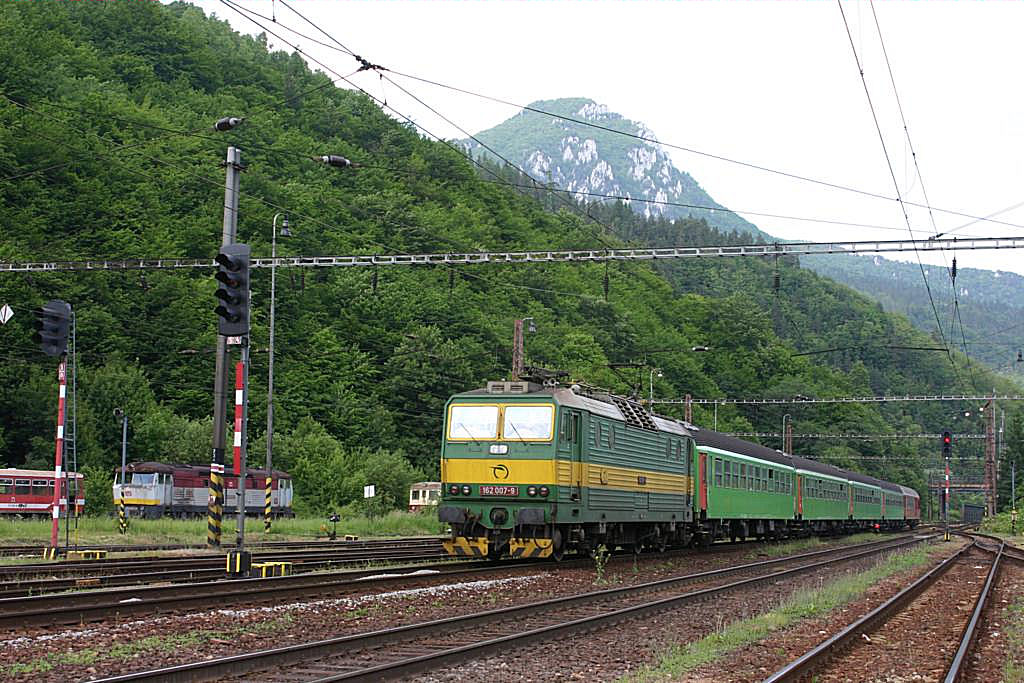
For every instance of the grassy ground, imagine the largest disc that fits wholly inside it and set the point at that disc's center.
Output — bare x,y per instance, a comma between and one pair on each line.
1013,669
137,649
808,545
804,605
103,530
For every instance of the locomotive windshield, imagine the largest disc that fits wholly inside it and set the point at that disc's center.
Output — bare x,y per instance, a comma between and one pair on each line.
528,423
143,479
473,422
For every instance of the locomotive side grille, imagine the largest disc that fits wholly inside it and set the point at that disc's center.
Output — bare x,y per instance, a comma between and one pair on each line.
634,414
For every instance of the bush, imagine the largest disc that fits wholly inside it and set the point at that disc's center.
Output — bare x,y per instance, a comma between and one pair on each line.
99,492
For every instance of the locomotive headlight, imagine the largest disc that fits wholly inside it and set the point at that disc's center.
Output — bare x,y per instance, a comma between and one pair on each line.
531,490
466,490
544,491
453,489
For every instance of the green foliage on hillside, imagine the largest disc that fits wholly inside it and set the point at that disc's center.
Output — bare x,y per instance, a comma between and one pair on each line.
365,359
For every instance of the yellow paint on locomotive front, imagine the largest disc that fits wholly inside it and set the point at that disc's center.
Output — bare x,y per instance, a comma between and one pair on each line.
561,472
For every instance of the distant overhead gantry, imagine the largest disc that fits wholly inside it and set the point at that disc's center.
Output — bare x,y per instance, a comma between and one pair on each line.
541,256
836,399
866,437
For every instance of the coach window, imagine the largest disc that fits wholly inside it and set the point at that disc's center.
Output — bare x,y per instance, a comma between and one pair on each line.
6,486
718,471
728,474
743,475
39,487
22,486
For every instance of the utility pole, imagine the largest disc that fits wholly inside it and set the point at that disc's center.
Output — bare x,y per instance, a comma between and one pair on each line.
122,517
991,477
947,453
233,165
268,500
62,380
241,442
518,344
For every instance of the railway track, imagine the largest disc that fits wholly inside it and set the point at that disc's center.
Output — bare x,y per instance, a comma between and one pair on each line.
405,650
959,630
52,609
13,575
25,550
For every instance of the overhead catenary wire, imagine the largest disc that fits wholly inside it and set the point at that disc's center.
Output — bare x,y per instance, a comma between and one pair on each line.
892,174
278,150
924,191
366,64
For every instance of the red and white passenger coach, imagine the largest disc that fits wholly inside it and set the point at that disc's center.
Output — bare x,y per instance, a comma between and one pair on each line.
30,492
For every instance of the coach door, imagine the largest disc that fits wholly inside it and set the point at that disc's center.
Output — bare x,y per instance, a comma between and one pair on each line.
704,474
799,496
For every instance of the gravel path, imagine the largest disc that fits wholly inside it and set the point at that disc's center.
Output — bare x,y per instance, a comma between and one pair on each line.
607,654
919,642
105,649
991,648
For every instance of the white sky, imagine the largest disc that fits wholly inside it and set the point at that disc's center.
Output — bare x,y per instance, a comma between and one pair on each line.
769,83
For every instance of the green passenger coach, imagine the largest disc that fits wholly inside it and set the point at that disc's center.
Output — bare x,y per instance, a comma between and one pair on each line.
533,469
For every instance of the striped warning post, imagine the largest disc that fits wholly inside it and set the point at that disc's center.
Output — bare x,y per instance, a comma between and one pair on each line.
62,379
239,414
122,516
216,507
266,505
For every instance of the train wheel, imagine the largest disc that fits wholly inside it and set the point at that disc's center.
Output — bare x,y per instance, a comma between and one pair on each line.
557,545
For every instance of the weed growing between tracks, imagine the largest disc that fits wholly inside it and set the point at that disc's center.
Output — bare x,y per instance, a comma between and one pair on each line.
136,649
811,544
1013,627
802,605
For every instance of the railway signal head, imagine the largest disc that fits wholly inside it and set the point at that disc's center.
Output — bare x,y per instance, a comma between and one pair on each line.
53,320
233,292
947,443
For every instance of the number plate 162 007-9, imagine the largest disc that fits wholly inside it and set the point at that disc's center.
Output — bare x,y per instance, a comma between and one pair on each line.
499,490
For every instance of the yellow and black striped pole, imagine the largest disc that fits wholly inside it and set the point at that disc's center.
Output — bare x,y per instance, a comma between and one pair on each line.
122,517
266,505
216,505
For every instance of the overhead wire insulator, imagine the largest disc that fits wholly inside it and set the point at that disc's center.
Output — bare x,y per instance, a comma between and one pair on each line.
373,280
606,281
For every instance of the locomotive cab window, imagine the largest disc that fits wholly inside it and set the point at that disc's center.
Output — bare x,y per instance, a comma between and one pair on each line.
528,423
472,422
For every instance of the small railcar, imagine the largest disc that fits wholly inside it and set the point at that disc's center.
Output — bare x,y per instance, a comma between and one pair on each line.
534,470
424,495
30,492
155,489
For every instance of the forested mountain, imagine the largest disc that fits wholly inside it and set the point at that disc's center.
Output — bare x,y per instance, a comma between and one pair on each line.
107,151
580,146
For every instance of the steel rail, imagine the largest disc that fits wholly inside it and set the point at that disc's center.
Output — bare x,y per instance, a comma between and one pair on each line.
217,560
217,669
325,544
958,665
813,659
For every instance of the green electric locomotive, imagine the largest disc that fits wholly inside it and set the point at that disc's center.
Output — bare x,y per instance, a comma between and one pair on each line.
533,470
